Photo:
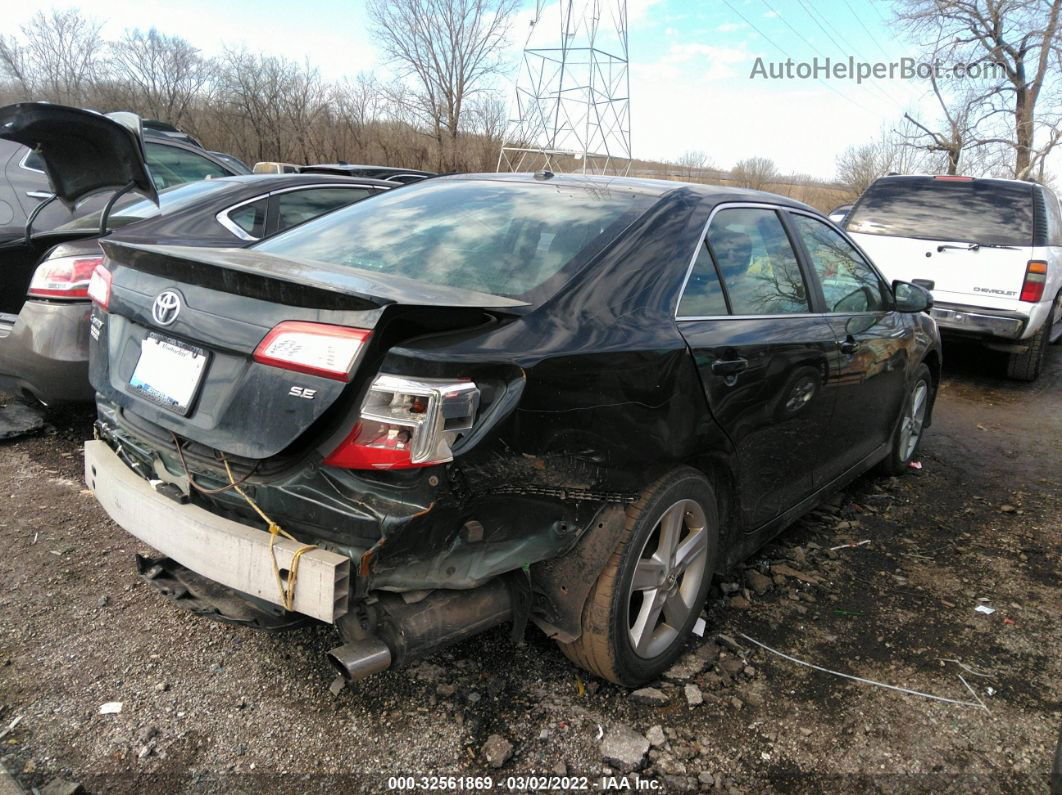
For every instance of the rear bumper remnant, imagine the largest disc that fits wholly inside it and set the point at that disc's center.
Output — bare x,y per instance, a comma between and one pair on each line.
227,552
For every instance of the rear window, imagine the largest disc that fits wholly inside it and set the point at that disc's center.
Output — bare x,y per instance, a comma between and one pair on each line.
506,238
970,212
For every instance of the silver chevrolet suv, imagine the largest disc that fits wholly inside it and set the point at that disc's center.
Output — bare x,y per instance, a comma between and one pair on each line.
990,250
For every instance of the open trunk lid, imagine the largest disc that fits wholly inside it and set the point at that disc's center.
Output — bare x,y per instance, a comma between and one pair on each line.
176,348
83,152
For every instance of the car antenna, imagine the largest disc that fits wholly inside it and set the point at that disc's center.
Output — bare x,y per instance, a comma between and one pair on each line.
105,216
33,216
544,174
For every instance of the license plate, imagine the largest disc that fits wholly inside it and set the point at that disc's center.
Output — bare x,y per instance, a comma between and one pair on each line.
169,372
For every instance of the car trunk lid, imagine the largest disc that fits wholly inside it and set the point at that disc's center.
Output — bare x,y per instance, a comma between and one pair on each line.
193,372
83,152
959,272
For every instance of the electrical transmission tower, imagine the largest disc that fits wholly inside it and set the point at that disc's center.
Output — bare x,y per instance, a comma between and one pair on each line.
572,111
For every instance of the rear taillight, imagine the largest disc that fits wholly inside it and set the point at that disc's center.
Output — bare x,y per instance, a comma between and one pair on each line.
408,422
63,277
1032,289
99,287
312,348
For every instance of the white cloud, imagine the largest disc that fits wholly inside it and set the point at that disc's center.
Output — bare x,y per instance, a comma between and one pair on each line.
771,14
731,27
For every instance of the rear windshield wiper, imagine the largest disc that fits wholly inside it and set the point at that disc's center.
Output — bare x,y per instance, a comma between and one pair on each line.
975,247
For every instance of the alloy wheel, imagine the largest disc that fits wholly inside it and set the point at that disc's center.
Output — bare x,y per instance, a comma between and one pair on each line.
667,578
913,420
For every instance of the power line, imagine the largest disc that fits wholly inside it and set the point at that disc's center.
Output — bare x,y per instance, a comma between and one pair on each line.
770,41
873,38
847,45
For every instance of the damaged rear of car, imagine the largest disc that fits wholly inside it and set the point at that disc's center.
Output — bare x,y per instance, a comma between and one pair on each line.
463,403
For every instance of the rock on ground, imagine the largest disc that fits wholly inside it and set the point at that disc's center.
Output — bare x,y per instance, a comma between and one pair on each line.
624,748
497,750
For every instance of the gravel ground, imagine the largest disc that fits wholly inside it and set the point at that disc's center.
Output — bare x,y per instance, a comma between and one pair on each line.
208,707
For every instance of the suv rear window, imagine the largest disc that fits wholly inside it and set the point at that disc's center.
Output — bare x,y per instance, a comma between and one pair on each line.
515,239
977,211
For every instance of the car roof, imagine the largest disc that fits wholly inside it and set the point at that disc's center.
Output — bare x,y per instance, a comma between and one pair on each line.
716,194
924,178
392,170
275,181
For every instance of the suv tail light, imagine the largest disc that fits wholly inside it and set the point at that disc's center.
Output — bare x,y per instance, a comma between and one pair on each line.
407,422
63,277
1032,289
99,286
312,348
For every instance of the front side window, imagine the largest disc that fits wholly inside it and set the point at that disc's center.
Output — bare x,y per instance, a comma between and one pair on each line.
515,239
757,262
171,166
849,284
297,206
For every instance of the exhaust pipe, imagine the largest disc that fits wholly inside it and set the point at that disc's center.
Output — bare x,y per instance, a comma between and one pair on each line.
360,658
406,631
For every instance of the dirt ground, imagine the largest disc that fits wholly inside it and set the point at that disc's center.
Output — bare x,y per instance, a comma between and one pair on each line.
208,707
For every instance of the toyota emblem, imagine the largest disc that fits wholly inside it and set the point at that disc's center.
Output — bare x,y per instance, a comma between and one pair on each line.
166,307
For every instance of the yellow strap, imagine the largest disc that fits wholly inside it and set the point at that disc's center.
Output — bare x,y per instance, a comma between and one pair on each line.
287,595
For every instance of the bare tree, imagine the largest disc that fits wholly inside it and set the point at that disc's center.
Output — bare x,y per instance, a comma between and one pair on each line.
1024,38
754,172
164,74
450,48
57,57
693,161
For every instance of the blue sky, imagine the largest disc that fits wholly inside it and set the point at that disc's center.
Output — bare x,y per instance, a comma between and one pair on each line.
690,65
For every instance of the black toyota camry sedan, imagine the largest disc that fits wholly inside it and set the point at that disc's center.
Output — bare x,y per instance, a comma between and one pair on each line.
496,398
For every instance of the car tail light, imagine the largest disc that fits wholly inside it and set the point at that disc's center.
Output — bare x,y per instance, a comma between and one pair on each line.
407,422
312,348
99,286
1032,289
63,277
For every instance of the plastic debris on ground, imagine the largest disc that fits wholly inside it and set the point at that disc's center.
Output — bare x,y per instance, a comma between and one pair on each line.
985,609
111,708
915,465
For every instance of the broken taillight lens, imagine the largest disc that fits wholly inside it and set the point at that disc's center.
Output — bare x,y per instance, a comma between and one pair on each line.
99,286
63,277
407,422
313,348
1032,289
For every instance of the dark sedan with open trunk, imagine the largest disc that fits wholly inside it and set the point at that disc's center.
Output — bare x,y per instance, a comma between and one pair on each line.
44,304
479,399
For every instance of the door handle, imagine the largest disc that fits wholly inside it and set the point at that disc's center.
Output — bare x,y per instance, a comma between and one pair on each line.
729,367
850,345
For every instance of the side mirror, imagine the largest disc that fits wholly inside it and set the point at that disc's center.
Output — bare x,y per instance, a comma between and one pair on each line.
911,297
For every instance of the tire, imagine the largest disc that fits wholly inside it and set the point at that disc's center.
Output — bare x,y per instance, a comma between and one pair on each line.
616,612
1055,318
1026,366
916,407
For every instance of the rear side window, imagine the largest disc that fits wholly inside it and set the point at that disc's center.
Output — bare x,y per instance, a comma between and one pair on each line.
251,218
849,284
1054,219
757,263
171,166
974,211
703,295
297,206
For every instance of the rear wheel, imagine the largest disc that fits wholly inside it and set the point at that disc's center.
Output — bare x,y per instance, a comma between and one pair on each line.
1054,323
908,434
647,598
1026,366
